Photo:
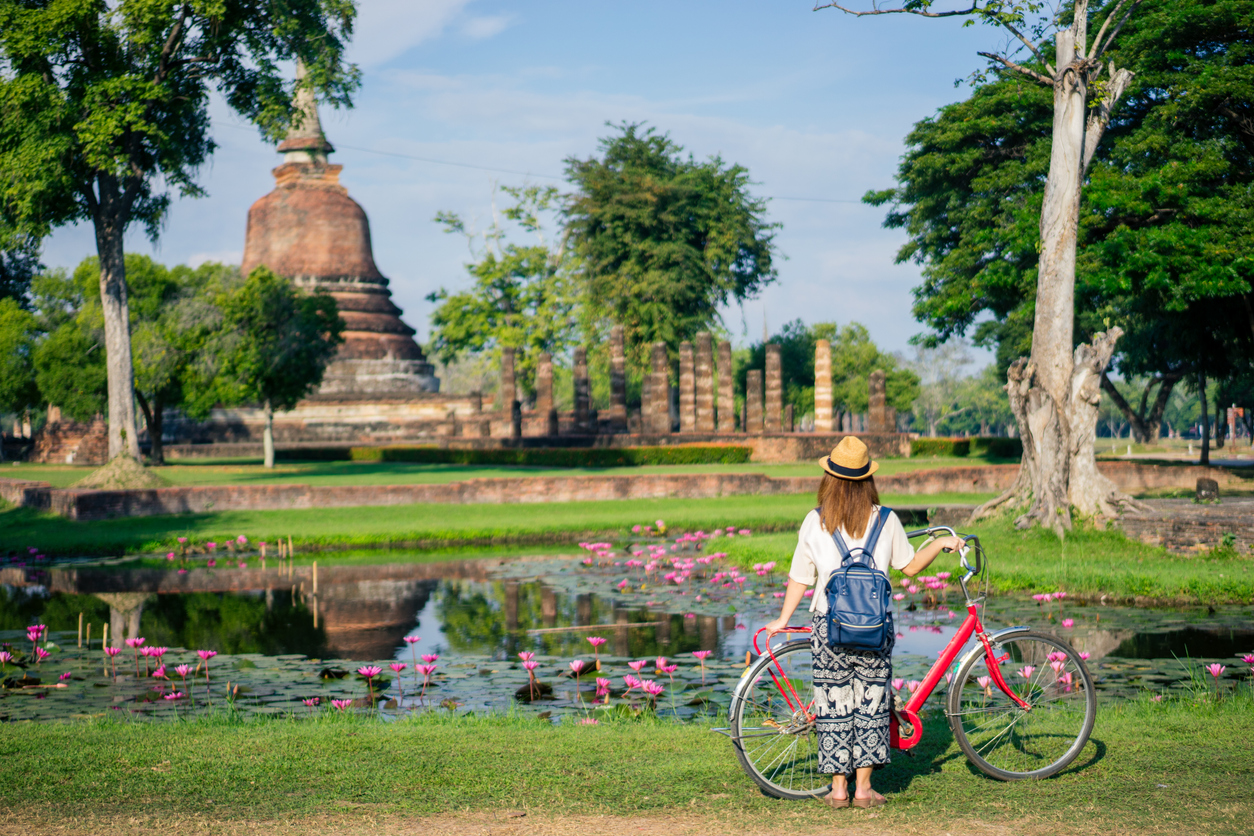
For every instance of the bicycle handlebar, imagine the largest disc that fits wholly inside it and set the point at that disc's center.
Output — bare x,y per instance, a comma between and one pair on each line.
972,571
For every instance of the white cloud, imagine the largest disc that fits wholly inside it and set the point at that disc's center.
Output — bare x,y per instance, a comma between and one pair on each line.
386,28
486,27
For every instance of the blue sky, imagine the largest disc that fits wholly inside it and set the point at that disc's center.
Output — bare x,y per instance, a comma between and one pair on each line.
814,104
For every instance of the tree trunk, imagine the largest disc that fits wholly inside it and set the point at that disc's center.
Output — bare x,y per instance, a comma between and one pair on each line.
1221,424
152,415
123,438
267,435
1201,387
1146,425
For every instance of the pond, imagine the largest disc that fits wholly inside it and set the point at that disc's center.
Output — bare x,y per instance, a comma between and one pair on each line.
291,631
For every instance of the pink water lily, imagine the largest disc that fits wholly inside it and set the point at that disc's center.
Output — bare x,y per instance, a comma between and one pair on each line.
526,655
341,704
430,658
112,653
64,676
1068,622
1026,671
176,695
913,685
426,671
40,655
631,682
1084,654
701,657
603,688
983,681
898,684
310,702
637,666
1216,670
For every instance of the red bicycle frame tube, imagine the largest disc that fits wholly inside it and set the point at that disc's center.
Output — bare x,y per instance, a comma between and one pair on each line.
794,702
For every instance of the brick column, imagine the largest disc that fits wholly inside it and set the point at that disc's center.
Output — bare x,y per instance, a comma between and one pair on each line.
877,410
726,392
773,418
687,389
658,421
618,381
822,386
544,383
583,392
507,395
705,383
787,425
753,402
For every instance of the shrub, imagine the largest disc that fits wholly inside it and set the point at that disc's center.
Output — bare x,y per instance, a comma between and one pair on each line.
558,456
995,447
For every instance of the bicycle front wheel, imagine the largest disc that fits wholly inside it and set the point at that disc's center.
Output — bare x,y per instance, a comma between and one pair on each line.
773,735
1003,739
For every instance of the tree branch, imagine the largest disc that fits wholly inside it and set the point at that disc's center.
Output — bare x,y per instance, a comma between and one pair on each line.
1119,81
171,44
1039,57
975,9
1121,404
1099,48
1019,68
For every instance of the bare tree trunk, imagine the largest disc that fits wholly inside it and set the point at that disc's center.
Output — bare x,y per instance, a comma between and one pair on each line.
152,415
1201,388
123,438
267,435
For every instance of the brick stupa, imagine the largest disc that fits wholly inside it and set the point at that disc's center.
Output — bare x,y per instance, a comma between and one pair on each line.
309,230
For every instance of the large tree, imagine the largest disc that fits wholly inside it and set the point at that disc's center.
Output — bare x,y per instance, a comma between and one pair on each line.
1055,392
104,108
1163,201
662,240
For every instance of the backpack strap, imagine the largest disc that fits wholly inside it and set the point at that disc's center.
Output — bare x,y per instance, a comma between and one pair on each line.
867,548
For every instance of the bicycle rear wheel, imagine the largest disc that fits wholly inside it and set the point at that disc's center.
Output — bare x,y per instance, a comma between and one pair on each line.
1006,741
775,742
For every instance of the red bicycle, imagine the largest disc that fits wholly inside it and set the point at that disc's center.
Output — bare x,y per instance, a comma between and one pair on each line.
1021,703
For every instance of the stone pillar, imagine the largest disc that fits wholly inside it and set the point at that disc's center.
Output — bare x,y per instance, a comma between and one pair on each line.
753,402
687,389
125,609
704,372
515,420
823,387
773,418
618,381
726,392
508,391
881,418
658,419
548,606
787,424
544,383
583,391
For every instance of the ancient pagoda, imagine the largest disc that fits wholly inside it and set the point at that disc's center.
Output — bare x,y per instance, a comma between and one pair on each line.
309,230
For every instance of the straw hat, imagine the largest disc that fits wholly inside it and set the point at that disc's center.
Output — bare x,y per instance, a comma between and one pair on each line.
849,460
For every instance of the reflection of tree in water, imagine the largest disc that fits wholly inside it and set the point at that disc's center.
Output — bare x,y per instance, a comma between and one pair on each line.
494,618
233,623
57,610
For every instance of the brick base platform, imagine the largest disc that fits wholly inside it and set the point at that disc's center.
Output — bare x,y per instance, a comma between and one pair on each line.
1183,526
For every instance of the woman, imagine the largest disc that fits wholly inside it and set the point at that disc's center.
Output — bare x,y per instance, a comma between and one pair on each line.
852,722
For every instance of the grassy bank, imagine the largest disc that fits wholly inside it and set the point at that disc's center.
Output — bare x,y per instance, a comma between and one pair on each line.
1087,563
1167,767
250,471
425,525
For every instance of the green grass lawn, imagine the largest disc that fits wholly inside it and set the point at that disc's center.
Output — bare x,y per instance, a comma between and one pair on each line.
1177,767
1087,562
426,525
250,471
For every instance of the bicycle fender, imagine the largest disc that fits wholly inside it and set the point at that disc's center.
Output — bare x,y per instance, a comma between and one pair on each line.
993,638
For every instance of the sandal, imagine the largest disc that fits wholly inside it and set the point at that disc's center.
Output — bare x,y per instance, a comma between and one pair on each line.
832,801
867,803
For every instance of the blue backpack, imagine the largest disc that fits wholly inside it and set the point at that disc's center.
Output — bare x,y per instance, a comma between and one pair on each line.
858,617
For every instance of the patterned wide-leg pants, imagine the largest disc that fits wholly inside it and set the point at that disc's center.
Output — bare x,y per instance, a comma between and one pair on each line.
852,699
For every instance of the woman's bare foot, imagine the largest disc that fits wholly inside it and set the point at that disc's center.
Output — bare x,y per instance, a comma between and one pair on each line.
867,797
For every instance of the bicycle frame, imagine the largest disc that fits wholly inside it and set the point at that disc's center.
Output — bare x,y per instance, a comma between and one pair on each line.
909,713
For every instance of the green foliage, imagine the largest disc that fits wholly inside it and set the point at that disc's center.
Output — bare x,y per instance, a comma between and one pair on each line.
19,262
978,405
70,371
940,447
663,240
997,447
1165,214
17,368
558,457
522,297
99,103
275,341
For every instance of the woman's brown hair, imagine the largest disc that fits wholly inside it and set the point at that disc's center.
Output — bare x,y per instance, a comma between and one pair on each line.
847,503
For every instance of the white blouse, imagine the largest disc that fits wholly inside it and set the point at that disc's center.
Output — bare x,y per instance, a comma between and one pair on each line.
816,557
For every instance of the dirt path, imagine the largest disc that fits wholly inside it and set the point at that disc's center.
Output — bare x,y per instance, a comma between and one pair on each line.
362,822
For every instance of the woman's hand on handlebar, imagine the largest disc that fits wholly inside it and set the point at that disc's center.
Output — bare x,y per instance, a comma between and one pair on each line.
775,626
950,544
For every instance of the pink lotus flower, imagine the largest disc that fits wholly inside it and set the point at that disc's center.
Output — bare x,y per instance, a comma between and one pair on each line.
177,695
412,640
1056,656
40,655
341,704
1057,666
242,540
5,657
631,682
182,539
158,652
1026,671
398,666
243,565
1248,658
370,672
211,563
112,651
897,596
1216,670
526,655
635,529
530,664
596,641
429,658
1068,622
577,666
637,666
183,670
1084,654
702,654
983,681
589,721
211,545
652,688
603,687
159,673
898,683
426,671
64,676
913,685
949,677
943,575
169,556
312,701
